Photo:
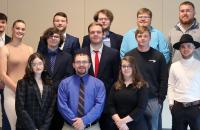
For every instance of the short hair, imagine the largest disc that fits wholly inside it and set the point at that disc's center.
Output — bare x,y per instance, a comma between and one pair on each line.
107,12
144,10
18,21
3,17
95,24
60,14
187,3
50,31
142,29
81,52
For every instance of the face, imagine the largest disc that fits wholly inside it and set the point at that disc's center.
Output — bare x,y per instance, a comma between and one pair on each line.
53,41
37,66
81,64
186,14
3,24
186,50
126,69
60,23
104,21
96,34
144,20
18,31
143,39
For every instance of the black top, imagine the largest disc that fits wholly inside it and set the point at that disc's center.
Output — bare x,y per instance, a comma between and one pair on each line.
128,101
153,68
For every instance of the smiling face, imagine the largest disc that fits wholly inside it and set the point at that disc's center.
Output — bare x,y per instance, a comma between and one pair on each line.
144,19
143,39
37,66
187,50
3,24
126,69
96,34
60,23
18,30
53,41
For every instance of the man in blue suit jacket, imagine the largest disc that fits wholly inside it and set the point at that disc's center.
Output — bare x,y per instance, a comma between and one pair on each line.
110,39
71,43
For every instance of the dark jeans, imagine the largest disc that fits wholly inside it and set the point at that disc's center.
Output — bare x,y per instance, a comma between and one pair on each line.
5,122
184,116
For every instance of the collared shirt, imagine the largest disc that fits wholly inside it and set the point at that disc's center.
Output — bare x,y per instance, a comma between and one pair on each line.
184,81
157,42
2,39
93,55
106,39
68,96
52,58
64,39
175,35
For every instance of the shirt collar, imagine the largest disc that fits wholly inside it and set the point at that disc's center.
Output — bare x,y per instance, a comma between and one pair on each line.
100,49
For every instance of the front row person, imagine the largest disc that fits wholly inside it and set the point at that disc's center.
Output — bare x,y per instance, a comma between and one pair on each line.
184,86
35,97
128,98
81,96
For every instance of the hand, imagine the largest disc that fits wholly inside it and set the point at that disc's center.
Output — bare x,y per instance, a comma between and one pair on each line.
124,127
78,124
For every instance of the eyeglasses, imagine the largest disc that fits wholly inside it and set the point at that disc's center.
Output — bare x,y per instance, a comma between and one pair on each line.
143,17
37,64
81,62
126,66
101,19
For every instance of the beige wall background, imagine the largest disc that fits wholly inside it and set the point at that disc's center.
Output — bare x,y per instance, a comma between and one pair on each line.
38,16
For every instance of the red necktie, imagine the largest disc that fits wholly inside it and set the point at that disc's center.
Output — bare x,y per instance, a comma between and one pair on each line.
96,63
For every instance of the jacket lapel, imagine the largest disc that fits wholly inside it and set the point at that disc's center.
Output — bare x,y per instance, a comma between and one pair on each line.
37,91
102,61
44,95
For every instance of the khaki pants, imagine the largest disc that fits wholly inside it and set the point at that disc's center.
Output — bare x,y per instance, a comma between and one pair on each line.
93,127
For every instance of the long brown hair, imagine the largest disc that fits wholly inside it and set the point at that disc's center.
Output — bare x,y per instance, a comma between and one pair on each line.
137,79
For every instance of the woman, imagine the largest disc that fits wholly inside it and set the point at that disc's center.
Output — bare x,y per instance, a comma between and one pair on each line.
14,57
128,98
35,97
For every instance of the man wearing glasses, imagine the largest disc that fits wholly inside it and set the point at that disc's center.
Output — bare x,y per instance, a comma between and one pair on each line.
81,96
158,42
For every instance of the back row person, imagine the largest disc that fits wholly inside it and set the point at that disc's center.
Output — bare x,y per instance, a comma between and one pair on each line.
158,42
110,39
12,67
70,43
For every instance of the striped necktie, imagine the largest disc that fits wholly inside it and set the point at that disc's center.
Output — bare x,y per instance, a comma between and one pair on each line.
81,99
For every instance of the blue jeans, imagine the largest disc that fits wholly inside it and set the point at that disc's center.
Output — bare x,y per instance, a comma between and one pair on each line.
152,114
5,122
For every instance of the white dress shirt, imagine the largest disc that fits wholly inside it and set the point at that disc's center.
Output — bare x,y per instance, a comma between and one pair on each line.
2,40
93,55
184,81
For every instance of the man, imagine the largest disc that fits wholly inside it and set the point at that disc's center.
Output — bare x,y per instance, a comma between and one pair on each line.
187,25
110,39
81,96
105,66
184,86
70,44
59,66
158,42
4,39
153,68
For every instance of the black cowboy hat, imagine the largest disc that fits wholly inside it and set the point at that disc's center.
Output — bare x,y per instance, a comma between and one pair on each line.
186,38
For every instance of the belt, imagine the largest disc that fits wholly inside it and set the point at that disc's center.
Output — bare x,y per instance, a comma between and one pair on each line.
188,104
93,123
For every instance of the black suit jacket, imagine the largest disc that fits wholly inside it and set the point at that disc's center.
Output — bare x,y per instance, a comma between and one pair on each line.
108,68
71,44
7,39
33,111
115,40
62,69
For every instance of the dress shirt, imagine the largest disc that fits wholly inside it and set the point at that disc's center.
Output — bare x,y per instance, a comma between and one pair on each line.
157,42
2,39
93,55
68,96
106,39
64,39
184,83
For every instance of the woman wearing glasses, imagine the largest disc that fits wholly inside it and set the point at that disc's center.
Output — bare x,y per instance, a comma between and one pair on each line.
128,98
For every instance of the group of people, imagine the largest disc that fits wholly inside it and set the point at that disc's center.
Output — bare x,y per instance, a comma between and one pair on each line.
65,87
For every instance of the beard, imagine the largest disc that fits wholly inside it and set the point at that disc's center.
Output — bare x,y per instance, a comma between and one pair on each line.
188,22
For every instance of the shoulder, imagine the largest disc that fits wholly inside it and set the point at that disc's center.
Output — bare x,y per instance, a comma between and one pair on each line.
97,81
130,32
28,47
4,51
71,36
131,52
115,34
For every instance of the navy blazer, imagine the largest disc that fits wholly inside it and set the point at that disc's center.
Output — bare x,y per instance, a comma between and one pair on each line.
33,111
115,40
108,68
7,39
71,44
62,69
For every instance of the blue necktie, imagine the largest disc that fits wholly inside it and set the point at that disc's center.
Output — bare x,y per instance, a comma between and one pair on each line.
52,60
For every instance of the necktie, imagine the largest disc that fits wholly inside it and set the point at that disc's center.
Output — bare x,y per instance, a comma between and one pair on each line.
81,99
96,63
52,61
